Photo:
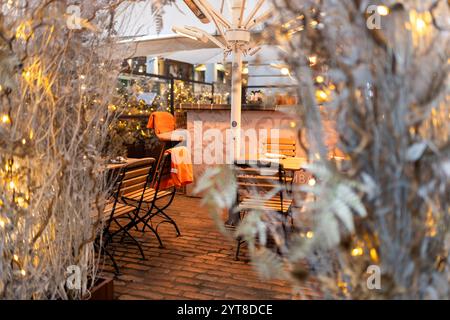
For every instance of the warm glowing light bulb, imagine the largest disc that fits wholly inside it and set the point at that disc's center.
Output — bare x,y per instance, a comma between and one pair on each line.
21,202
285,71
343,286
321,96
23,272
27,75
12,185
245,71
310,234
312,182
312,60
320,79
420,25
382,10
374,254
16,257
6,119
357,252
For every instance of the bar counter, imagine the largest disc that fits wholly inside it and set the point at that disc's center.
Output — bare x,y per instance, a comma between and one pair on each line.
257,117
227,107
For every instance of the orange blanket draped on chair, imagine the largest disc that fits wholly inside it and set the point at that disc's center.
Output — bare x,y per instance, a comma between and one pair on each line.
181,172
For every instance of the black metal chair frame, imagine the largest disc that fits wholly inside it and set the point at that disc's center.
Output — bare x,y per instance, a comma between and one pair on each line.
164,169
152,209
281,180
108,235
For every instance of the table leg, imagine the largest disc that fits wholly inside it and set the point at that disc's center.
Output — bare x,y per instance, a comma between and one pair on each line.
233,218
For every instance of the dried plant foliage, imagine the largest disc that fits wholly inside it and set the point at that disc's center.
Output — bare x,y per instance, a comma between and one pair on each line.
56,82
388,204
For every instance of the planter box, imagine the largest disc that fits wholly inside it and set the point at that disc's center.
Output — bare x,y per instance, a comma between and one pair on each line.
103,290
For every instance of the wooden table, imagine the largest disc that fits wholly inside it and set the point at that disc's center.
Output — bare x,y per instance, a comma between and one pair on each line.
292,164
116,166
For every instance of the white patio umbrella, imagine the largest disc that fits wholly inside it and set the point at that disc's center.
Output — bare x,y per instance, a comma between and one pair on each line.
174,47
234,39
161,45
267,54
265,67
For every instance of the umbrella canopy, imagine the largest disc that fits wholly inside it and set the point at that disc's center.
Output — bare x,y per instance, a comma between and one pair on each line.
179,48
267,54
136,17
160,45
237,38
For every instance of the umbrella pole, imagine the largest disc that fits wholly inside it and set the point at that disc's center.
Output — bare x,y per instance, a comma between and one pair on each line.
236,102
236,80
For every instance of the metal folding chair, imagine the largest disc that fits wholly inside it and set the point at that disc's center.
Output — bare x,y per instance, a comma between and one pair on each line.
154,194
132,177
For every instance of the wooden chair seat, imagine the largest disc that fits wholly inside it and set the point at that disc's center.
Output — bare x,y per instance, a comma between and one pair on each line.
274,204
149,195
121,210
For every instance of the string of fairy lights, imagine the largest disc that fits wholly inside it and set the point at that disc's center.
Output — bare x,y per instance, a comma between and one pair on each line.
365,245
132,125
15,192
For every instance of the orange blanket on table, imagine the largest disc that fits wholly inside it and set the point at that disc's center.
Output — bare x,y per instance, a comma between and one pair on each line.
161,122
181,172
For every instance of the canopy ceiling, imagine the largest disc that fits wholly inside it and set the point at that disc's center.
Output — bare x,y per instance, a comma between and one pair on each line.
176,47
267,54
158,45
179,48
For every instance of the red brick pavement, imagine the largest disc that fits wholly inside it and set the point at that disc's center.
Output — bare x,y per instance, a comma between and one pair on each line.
198,265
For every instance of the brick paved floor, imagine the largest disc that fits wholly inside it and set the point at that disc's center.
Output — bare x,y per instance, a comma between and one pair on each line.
198,265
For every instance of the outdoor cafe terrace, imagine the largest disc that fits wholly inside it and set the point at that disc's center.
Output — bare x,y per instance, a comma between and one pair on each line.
224,150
